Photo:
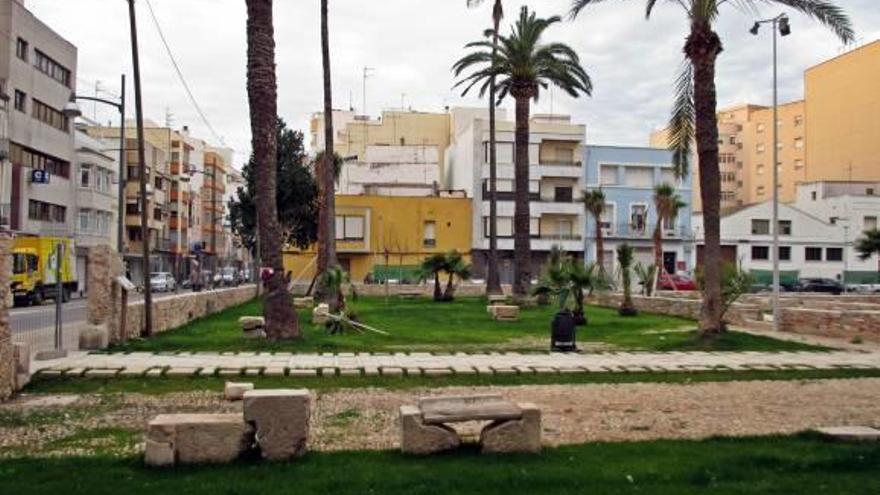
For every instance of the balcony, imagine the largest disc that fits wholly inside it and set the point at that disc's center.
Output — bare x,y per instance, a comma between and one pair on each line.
178,223
643,232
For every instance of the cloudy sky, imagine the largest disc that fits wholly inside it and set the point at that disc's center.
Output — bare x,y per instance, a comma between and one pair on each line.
411,44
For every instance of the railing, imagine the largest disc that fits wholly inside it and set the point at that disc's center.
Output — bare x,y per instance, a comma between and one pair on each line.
634,231
561,237
561,163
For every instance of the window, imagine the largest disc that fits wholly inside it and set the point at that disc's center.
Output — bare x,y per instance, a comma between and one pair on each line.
760,227
834,254
760,127
728,195
799,143
134,234
813,254
20,101
869,191
84,223
158,183
760,148
760,190
798,120
813,195
157,214
28,158
727,158
85,173
870,223
349,228
48,115
51,68
638,218
608,175
639,176
798,164
608,218
732,139
728,177
132,209
503,226
21,49
46,212
760,169
562,195
429,235
784,253
785,227
760,253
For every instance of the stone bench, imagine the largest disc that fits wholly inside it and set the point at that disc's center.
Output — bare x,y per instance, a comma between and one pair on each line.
281,419
503,312
497,299
513,428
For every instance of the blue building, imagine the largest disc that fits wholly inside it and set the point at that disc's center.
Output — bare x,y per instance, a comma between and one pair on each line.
628,176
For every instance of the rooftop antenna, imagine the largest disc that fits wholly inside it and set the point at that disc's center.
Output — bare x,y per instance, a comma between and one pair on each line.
95,104
169,118
367,71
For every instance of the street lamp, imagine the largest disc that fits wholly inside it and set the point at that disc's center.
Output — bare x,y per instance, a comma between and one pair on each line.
72,110
781,25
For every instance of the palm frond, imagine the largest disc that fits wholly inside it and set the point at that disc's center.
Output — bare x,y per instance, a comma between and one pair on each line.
825,12
681,124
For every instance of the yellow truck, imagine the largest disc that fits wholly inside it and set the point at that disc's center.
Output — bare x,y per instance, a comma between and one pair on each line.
35,269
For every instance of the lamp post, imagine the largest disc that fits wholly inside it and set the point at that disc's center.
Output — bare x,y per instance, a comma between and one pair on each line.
72,110
780,25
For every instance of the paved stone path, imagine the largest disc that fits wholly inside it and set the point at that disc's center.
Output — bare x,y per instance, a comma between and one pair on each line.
415,363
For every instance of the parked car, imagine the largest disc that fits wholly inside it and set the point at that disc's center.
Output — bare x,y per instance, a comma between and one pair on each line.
824,285
863,288
162,282
230,276
676,282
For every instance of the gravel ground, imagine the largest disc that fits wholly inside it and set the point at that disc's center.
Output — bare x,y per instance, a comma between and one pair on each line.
366,418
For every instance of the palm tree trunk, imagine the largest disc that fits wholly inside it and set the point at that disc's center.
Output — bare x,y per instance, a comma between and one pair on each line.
600,246
326,178
522,254
702,48
658,254
447,294
493,281
281,319
437,294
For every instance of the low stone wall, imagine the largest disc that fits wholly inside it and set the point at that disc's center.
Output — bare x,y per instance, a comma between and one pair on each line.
682,307
7,361
817,301
426,290
847,324
173,312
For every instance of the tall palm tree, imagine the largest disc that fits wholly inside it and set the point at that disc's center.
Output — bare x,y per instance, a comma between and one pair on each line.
326,177
281,319
524,65
594,202
667,204
493,281
869,245
694,117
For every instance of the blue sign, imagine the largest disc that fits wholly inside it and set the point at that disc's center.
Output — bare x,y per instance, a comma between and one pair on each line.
39,176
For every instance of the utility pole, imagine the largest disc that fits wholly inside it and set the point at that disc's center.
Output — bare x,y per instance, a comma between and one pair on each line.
120,222
214,221
144,203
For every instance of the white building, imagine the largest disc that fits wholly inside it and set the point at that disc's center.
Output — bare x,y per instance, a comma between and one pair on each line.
810,246
97,203
38,75
393,171
556,181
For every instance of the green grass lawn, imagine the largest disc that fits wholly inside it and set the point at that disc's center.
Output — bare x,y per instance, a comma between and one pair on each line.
803,464
462,325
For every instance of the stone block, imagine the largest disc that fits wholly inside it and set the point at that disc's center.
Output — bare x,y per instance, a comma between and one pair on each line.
200,438
256,333
417,438
236,390
514,436
94,337
281,419
319,314
303,302
497,299
251,322
501,312
158,454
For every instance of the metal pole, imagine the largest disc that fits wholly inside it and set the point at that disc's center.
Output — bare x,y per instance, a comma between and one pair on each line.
145,231
122,174
775,185
214,222
59,288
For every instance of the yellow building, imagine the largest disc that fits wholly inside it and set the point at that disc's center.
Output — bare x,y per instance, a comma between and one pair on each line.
843,103
379,236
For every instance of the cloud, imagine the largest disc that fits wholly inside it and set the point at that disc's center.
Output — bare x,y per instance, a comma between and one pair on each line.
411,44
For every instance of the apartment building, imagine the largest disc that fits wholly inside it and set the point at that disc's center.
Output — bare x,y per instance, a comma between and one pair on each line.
399,154
556,178
628,176
156,204
97,198
215,237
37,75
388,237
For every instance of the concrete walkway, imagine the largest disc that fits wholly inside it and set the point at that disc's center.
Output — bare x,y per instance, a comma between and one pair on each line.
411,364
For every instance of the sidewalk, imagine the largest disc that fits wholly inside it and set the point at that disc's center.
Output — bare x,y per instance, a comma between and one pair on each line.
397,364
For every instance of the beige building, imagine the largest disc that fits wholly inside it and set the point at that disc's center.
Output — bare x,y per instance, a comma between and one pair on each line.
37,77
831,135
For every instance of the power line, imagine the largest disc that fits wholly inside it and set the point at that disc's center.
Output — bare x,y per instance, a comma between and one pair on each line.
186,87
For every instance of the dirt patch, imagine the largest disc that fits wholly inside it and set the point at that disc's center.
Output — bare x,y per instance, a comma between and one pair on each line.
367,418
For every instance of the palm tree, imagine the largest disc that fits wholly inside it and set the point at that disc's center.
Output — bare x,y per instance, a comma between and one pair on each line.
524,65
594,202
493,281
869,245
667,204
455,267
583,281
326,176
281,319
694,117
431,268
625,260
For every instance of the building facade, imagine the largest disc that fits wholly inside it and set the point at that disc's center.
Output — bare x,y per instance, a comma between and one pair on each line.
214,234
556,175
628,176
38,75
388,237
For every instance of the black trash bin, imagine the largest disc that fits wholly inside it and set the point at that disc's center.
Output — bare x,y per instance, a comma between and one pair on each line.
563,332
